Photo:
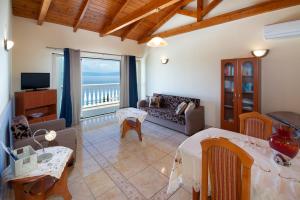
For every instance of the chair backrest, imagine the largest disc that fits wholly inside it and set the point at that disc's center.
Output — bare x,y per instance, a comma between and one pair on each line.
256,125
229,169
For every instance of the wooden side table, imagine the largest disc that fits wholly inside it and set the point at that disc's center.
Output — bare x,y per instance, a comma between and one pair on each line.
41,187
131,124
47,179
131,119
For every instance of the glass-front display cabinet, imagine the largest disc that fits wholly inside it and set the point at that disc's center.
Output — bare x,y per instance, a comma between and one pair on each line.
240,88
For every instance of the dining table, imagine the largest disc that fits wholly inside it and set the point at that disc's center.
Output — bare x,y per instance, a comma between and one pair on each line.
269,181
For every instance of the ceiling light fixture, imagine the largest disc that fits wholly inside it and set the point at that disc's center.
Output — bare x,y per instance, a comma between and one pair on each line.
260,53
157,41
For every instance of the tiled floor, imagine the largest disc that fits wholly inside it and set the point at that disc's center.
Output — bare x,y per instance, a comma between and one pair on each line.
110,168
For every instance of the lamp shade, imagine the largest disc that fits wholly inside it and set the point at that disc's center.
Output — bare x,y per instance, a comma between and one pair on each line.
260,53
157,42
50,136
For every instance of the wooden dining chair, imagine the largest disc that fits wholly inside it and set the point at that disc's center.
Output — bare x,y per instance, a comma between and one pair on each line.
256,125
229,169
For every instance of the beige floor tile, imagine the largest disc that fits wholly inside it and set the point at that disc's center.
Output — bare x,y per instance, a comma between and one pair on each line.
101,160
74,175
99,182
116,155
112,194
165,146
149,182
162,194
181,194
107,145
87,167
150,154
80,191
130,166
164,165
82,154
135,146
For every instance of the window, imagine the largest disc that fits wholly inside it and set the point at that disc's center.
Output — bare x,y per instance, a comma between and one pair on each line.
100,82
100,86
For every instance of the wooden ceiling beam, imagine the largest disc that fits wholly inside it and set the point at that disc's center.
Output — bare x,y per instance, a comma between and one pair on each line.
173,12
189,13
81,14
199,10
130,29
139,14
118,11
209,7
228,17
203,13
43,11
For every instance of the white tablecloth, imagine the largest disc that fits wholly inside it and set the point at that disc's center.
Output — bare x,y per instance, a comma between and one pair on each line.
53,167
267,182
124,113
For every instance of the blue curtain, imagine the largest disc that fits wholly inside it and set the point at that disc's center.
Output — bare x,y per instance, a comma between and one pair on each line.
133,92
66,103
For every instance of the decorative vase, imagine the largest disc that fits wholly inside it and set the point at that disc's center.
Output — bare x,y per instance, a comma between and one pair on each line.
284,146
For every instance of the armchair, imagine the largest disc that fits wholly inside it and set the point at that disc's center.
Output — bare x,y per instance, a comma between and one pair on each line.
65,136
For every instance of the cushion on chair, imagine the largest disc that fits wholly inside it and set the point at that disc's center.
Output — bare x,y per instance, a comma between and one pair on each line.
20,128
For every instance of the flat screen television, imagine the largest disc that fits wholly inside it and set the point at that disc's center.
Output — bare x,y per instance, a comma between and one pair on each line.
34,81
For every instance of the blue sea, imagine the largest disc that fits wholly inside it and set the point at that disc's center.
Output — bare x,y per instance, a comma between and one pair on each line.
100,78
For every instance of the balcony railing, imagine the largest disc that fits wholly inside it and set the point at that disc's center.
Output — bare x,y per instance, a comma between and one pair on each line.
95,95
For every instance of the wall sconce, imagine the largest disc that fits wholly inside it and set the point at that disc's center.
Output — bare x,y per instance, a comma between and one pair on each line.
164,60
260,53
8,44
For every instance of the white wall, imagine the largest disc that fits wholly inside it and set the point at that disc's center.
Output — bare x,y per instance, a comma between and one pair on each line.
194,66
30,53
5,57
5,80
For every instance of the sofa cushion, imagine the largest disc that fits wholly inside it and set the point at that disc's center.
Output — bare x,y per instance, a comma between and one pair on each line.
154,102
181,108
190,106
170,101
20,128
166,114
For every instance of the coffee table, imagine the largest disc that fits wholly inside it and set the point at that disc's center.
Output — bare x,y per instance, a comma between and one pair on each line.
131,119
48,179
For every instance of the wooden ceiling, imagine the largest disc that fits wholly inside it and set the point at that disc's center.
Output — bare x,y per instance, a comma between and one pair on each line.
133,19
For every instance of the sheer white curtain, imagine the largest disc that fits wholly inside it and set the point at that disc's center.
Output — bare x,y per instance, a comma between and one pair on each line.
124,85
75,75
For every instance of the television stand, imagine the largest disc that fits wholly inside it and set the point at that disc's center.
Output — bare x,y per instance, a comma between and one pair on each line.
37,89
29,103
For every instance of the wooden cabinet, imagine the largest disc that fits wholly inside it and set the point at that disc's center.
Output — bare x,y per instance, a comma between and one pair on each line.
35,103
240,90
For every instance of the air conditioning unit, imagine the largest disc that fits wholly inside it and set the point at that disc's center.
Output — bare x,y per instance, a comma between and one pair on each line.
282,30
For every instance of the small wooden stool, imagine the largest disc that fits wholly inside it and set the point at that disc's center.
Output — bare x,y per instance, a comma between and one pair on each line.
131,124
